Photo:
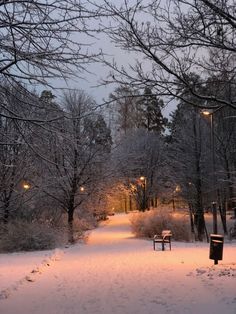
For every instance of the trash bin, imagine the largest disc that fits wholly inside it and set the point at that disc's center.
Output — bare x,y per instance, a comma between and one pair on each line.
216,247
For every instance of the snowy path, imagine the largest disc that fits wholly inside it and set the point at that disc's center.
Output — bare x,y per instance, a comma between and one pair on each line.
115,274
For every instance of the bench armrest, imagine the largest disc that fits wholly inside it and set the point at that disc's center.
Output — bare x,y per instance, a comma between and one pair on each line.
167,236
157,236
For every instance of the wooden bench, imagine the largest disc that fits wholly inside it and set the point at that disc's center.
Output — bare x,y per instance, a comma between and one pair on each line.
164,238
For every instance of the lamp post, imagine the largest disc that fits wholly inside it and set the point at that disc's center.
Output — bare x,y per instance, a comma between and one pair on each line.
173,200
210,113
144,197
175,192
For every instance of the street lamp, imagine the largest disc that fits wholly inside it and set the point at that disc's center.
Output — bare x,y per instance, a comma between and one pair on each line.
210,112
144,186
82,189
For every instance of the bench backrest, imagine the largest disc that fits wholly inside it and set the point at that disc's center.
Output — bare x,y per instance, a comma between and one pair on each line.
166,233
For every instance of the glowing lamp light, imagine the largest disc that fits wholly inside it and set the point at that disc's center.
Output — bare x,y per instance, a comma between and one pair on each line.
82,189
177,189
142,178
207,112
26,186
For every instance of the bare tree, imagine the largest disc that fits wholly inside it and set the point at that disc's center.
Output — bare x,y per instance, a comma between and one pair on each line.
172,39
51,167
122,110
15,160
141,154
188,156
82,141
40,39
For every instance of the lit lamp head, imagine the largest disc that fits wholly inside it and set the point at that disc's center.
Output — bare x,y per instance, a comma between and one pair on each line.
207,112
177,189
142,178
82,189
26,186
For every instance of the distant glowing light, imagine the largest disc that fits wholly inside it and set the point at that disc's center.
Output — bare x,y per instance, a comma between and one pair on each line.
177,189
26,186
82,189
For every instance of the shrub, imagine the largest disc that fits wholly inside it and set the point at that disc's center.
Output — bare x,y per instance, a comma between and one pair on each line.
24,236
154,221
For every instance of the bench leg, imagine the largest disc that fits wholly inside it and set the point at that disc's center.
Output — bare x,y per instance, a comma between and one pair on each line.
163,246
154,248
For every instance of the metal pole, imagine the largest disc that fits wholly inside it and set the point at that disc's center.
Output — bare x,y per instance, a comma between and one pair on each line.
214,212
214,208
144,194
173,201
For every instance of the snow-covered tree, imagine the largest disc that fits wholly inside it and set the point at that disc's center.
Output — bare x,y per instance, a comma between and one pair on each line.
79,152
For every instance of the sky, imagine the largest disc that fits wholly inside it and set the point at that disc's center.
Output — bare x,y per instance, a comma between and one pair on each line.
91,81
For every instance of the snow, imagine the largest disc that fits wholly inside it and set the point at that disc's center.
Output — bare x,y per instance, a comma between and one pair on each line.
116,273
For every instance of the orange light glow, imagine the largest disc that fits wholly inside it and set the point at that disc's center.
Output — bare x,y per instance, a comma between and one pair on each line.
177,189
82,189
207,112
26,186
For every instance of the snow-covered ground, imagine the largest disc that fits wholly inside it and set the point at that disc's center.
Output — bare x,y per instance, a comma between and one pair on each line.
116,273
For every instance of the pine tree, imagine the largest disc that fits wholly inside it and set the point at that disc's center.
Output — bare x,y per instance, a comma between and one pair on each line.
150,115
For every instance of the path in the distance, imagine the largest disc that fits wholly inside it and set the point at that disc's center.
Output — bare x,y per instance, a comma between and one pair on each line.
114,273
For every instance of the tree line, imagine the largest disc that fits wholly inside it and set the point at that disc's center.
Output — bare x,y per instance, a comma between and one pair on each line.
57,154
52,165
176,157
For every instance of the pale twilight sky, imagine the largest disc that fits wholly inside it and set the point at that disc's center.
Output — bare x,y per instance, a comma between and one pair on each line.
91,81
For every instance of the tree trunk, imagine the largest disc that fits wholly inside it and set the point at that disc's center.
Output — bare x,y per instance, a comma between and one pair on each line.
191,218
71,209
222,211
6,215
230,185
71,203
70,225
200,223
130,203
6,211
125,203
